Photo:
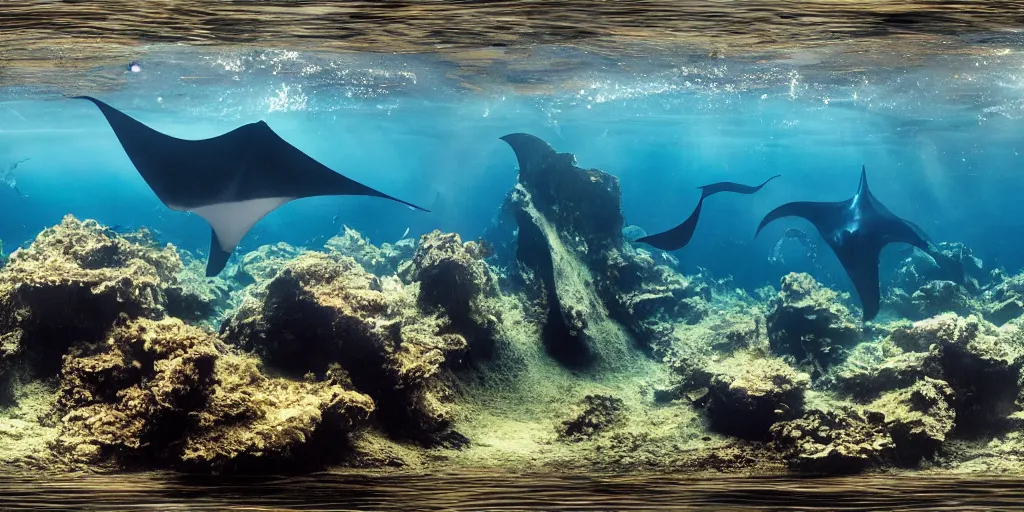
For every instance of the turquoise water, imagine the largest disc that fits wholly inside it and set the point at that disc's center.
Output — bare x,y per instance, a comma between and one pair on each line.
940,138
483,363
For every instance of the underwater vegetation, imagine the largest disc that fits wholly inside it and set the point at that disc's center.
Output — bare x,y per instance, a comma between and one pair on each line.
555,342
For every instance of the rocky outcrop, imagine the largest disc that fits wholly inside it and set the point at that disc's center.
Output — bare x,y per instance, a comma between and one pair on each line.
454,280
809,324
324,314
748,394
937,297
162,393
601,294
918,418
843,440
75,280
380,261
595,414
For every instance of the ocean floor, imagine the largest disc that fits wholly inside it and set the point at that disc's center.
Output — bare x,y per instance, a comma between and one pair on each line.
553,343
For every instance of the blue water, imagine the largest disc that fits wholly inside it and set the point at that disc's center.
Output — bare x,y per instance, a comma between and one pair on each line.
941,140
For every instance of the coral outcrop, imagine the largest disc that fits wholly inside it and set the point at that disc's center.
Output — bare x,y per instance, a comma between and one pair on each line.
843,440
162,392
75,280
748,394
809,324
323,310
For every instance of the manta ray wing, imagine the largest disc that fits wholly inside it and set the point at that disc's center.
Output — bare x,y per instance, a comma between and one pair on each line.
677,237
232,180
857,230
728,186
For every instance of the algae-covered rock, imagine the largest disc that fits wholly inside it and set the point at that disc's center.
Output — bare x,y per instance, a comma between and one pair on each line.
195,297
918,418
251,421
454,279
748,394
1005,301
74,280
595,414
129,397
980,363
351,243
809,323
601,294
843,440
325,309
936,297
947,261
163,393
865,378
578,329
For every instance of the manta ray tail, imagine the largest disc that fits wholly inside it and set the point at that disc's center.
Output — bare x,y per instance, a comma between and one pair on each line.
679,236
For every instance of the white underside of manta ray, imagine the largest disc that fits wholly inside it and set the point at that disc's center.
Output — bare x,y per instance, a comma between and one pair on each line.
232,180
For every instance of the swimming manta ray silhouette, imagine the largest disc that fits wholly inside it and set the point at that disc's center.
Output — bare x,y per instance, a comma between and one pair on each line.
232,180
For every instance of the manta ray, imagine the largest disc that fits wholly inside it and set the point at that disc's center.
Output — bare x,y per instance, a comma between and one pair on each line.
232,180
856,229
7,175
679,236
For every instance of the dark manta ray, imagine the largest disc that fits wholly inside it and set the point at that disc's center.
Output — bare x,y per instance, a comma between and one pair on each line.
856,229
679,236
231,180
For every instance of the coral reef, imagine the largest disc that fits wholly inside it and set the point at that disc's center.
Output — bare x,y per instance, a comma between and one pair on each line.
75,280
844,440
161,391
748,394
322,310
809,324
560,345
